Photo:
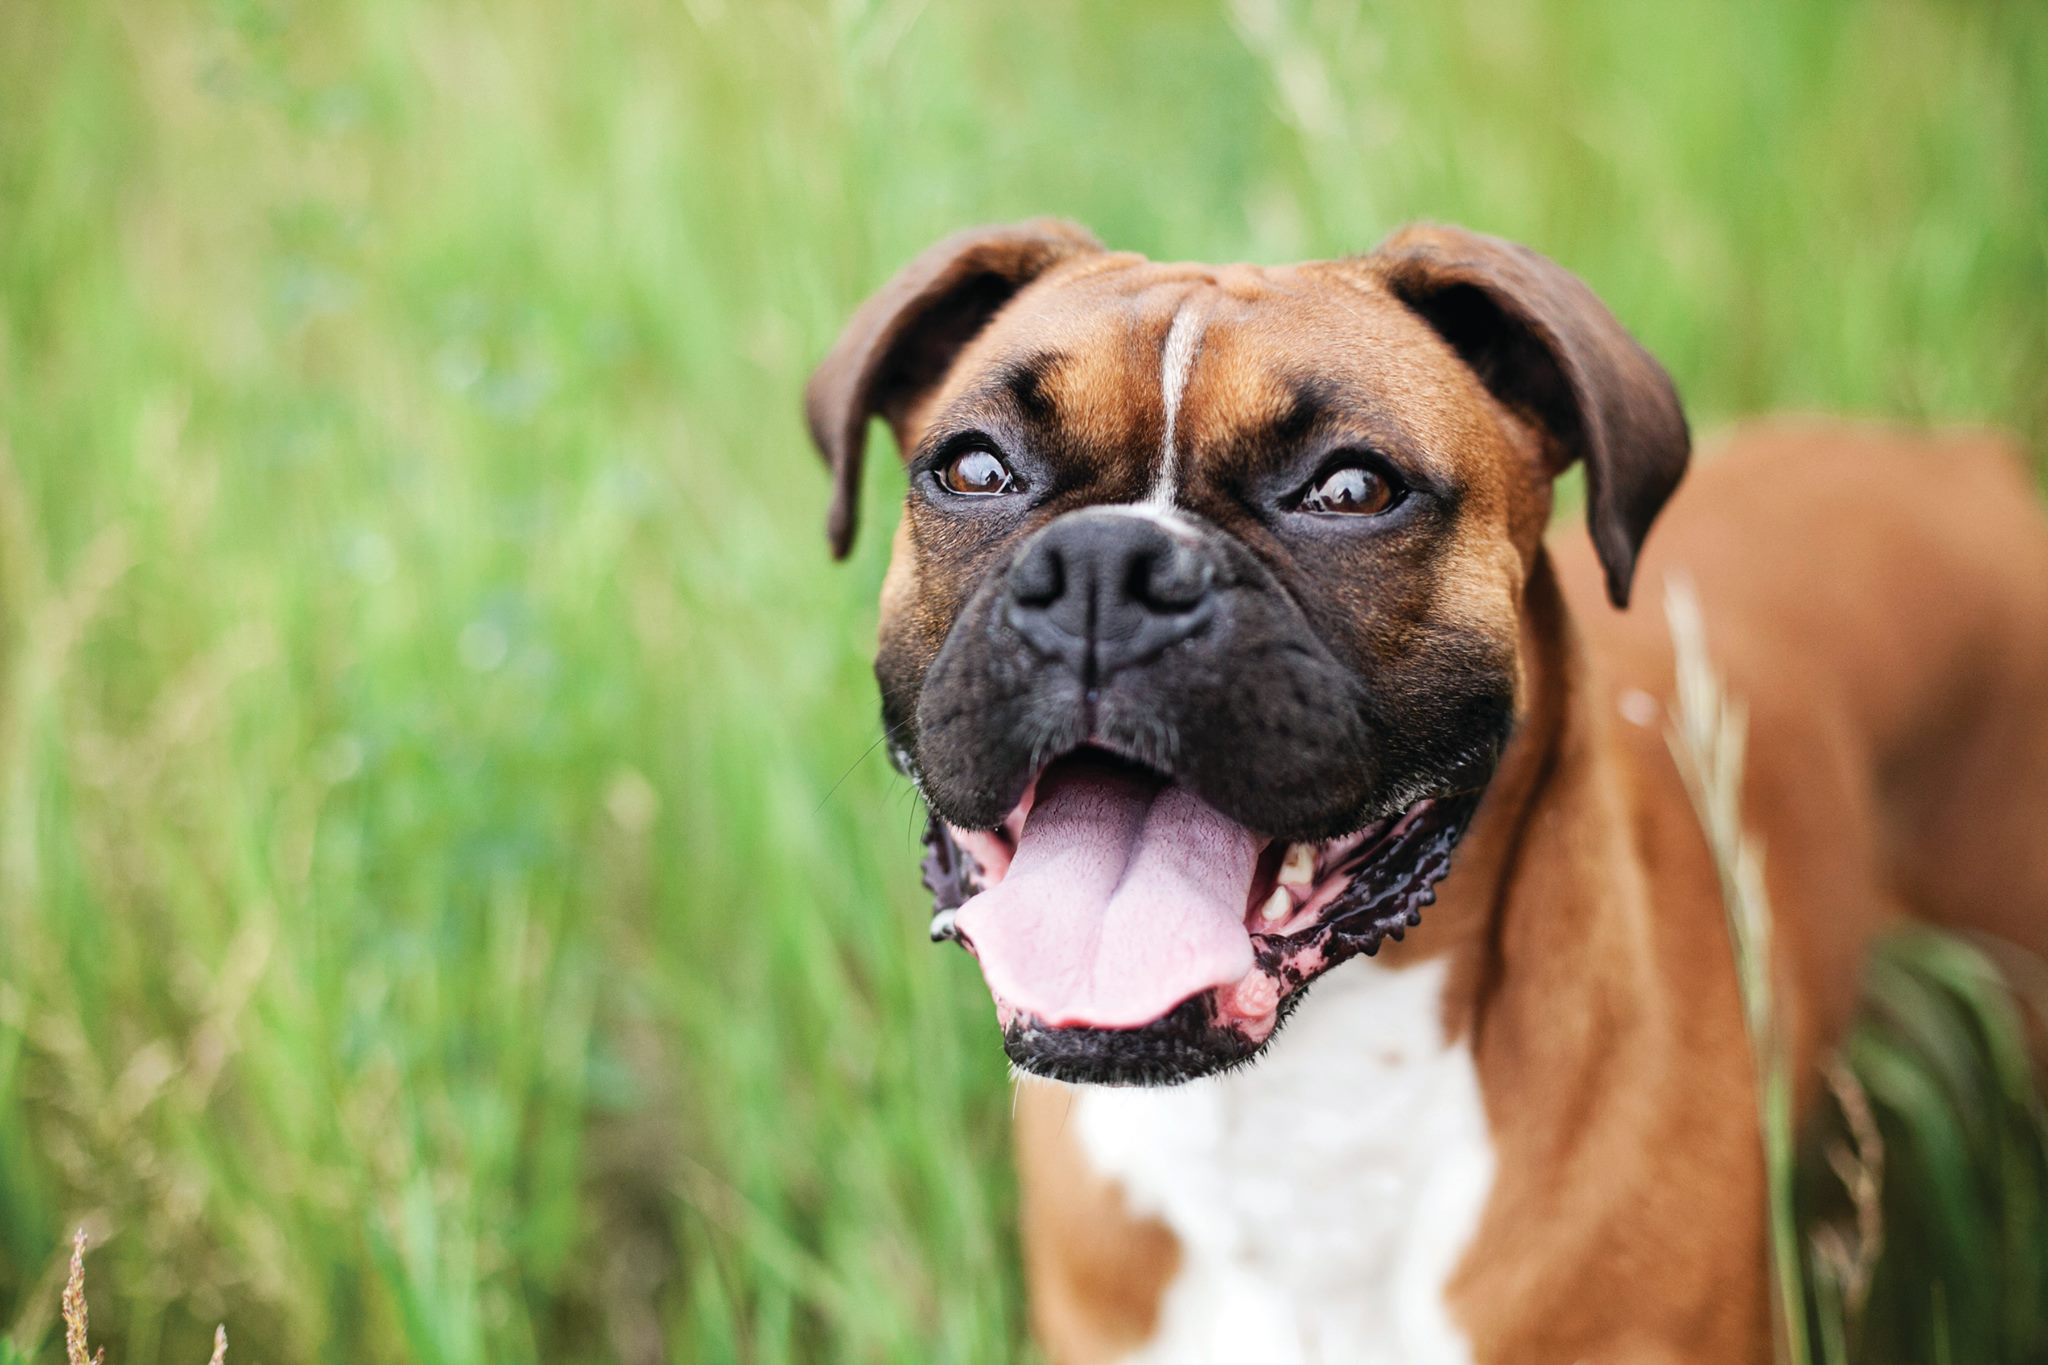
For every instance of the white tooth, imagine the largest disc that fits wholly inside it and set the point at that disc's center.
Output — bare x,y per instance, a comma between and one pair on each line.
1299,867
1278,906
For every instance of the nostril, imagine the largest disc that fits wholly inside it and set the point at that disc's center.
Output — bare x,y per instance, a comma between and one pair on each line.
1099,592
1040,579
1169,579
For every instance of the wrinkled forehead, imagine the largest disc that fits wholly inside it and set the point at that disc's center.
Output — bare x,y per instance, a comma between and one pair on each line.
1178,371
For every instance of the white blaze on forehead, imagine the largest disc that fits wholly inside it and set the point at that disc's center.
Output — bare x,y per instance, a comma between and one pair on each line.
1176,361
1161,514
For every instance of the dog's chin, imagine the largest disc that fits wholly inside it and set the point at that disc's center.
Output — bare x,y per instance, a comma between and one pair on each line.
1192,1040
1132,935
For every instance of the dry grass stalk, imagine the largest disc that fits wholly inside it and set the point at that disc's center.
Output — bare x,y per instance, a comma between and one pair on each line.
1850,1257
74,1308
1708,735
75,1344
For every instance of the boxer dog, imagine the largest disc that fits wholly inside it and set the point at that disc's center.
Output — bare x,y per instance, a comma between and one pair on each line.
1223,642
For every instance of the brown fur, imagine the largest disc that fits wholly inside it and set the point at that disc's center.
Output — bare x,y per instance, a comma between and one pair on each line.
1879,600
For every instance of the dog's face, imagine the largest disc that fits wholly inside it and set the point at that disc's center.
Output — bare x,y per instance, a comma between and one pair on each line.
1201,635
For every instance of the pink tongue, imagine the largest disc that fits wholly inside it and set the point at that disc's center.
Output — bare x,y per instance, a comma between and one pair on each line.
1123,900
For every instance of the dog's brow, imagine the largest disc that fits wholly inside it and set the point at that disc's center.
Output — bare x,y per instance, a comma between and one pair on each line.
1307,405
1024,383
1309,401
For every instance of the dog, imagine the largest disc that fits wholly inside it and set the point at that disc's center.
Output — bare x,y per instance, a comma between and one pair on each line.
1223,641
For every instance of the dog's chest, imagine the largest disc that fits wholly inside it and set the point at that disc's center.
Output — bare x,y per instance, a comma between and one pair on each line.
1323,1197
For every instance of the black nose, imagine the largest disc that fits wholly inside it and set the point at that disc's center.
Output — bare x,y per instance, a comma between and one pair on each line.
1106,590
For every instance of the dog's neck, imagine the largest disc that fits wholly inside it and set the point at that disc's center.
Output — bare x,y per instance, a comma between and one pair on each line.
1465,920
1511,885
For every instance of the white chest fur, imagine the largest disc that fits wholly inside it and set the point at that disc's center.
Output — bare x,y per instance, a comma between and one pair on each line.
1324,1196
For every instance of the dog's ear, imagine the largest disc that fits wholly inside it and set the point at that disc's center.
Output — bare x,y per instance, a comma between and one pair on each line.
1545,346
900,342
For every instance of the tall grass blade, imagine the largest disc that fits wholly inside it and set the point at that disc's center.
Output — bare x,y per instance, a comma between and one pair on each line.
1707,737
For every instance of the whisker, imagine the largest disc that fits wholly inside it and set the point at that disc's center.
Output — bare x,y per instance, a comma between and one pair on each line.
888,733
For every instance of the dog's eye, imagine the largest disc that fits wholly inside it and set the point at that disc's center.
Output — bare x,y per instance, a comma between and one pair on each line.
1350,488
978,474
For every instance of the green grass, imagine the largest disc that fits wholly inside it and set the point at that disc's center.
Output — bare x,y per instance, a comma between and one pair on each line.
1941,1056
429,925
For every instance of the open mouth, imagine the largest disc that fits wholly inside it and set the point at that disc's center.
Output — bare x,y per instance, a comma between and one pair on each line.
1131,933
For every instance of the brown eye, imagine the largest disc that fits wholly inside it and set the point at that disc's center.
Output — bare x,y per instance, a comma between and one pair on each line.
977,473
1350,488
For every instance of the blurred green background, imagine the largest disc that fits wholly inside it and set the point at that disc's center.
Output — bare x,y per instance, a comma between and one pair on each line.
449,907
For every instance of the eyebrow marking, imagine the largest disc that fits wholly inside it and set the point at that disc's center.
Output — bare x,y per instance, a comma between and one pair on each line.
1025,382
1309,399
1176,361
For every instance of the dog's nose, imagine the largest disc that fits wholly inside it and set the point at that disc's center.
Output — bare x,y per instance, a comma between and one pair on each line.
1104,591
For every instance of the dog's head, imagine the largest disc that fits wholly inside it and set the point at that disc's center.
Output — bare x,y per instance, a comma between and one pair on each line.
1201,634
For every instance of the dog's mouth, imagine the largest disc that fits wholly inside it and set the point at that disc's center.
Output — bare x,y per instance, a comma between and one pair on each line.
1131,933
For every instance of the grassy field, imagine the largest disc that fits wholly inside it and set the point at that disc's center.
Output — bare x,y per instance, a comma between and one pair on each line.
449,908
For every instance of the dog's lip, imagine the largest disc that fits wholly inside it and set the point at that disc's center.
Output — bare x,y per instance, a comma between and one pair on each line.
1339,915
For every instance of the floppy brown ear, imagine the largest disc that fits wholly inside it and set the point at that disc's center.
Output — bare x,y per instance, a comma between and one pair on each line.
1544,345
900,342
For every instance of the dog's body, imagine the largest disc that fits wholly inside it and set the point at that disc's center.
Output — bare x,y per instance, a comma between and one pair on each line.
1893,648
1527,1135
